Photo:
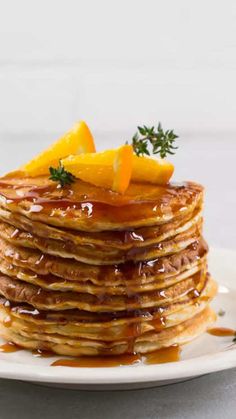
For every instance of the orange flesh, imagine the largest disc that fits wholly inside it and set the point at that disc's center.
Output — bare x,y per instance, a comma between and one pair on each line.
109,169
78,140
113,169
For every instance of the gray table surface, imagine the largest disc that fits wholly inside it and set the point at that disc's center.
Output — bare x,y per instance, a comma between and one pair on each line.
210,396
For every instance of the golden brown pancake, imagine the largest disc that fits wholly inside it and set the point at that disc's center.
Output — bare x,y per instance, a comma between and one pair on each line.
86,271
54,283
99,255
102,326
82,206
147,342
18,291
106,275
123,239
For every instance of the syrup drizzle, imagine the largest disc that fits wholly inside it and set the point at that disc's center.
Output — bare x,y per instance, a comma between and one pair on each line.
10,347
143,200
39,353
221,331
164,355
97,362
7,321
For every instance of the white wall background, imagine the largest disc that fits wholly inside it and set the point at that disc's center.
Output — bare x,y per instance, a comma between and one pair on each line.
117,63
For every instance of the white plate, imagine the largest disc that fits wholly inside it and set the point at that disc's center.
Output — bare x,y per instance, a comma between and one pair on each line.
205,355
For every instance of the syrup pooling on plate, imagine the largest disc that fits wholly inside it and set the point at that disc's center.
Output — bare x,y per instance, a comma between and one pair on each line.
39,353
170,354
9,347
221,331
164,355
97,362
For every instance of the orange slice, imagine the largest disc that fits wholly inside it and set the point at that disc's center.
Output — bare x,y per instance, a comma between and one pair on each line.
78,140
146,169
122,167
110,169
100,168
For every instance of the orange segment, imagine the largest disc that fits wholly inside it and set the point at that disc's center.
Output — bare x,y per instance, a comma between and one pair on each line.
78,140
122,167
146,169
110,169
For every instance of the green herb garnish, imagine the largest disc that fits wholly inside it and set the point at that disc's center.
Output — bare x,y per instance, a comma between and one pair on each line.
161,142
221,312
59,174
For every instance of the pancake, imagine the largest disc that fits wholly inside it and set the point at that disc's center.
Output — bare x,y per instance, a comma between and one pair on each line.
19,291
102,326
87,271
150,341
124,240
124,274
100,255
106,319
82,206
55,283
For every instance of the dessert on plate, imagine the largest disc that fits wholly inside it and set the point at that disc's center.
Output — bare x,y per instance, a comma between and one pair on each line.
100,254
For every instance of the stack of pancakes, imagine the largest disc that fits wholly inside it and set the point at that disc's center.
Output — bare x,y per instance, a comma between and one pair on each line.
86,271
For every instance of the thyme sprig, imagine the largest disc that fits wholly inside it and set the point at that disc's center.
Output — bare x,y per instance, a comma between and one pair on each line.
59,174
161,142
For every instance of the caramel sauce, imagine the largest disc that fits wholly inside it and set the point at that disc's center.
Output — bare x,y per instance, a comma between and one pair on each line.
9,347
140,201
7,321
38,353
130,347
41,189
164,355
221,331
194,293
158,323
131,330
98,361
171,354
94,211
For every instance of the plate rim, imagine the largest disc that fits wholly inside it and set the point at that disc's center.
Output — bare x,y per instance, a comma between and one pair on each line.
136,374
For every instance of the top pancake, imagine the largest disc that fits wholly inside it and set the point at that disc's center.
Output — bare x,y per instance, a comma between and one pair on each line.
85,207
